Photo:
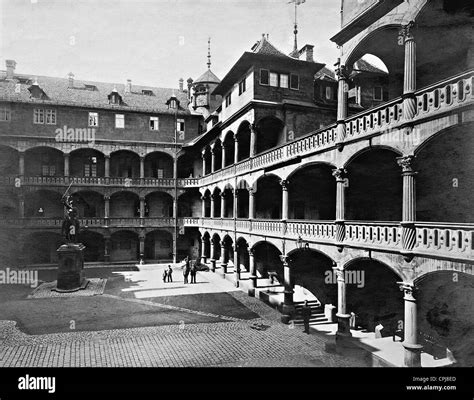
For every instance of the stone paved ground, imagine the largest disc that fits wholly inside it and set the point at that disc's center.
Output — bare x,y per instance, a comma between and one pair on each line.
242,332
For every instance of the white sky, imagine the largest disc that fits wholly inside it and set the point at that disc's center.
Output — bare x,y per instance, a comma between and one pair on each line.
114,40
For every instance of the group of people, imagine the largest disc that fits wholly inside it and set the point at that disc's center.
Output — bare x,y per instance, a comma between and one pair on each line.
190,268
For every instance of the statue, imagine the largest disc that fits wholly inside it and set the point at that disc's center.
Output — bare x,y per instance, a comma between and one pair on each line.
70,226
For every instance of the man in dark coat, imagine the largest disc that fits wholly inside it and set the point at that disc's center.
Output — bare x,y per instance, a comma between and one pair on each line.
186,271
170,274
306,313
193,272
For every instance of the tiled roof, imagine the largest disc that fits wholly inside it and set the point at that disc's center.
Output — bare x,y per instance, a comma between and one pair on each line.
208,77
58,92
365,66
325,73
263,46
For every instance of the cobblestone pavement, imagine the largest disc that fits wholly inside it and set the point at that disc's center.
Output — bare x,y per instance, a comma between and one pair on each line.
232,342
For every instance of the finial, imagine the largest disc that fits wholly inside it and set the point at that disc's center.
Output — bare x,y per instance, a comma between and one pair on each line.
209,53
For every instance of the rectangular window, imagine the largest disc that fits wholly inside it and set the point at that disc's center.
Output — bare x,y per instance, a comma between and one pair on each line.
284,80
48,170
51,117
38,116
294,82
93,119
242,87
180,128
264,77
90,170
5,114
273,79
154,123
378,93
160,173
228,100
119,121
328,92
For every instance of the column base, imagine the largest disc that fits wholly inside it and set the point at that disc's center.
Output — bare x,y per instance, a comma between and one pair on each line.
224,269
213,265
412,356
288,311
343,329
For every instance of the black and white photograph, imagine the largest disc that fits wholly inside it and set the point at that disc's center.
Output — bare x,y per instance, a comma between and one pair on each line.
236,193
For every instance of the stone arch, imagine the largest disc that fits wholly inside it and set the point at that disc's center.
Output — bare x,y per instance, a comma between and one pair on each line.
124,245
158,164
124,164
271,133
95,245
124,204
44,161
9,160
243,137
229,147
268,197
158,245
267,258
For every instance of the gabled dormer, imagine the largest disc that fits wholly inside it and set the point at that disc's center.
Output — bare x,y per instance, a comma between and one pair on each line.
36,92
114,97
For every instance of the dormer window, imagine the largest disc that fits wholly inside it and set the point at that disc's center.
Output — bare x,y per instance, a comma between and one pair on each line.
36,92
92,88
147,92
114,97
172,103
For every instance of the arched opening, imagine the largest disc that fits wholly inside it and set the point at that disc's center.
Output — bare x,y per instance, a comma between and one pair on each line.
8,204
40,247
374,295
124,246
270,133
207,203
158,205
243,199
44,161
9,161
228,194
124,164
158,165
216,195
187,167
312,193
267,258
207,160
89,204
216,243
217,154
243,253
310,271
124,205
189,204
243,137
228,249
374,191
268,198
443,187
189,244
86,162
446,315
206,242
229,148
95,245
159,245
44,204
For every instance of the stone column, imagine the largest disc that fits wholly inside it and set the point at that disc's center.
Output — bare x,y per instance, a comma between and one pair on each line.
213,160
251,203
213,255
284,200
253,140
288,308
203,199
236,265
340,174
410,341
223,156
142,207
21,206
409,77
409,205
235,211
236,149
66,164
107,249
107,166
141,238
203,155
343,329
213,201
341,102
106,206
142,167
203,251
175,168
253,273
21,163
223,204
224,258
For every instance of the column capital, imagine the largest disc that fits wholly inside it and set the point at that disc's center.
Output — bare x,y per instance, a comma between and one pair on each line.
203,197
203,154
236,138
66,155
339,271
284,184
341,72
251,191
340,174
107,156
251,251
406,31
106,197
142,198
406,162
285,260
409,289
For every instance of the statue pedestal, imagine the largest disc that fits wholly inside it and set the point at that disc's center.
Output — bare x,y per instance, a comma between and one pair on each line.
71,267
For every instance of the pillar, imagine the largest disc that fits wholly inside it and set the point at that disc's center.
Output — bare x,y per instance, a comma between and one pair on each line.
213,160
284,200
175,207
236,204
213,255
251,203
253,140
175,168
213,200
223,204
21,206
203,155
340,174
107,166
409,76
343,329
142,207
288,307
141,238
410,342
223,156
142,167
106,206
408,206
224,258
21,163
341,102
203,211
253,273
107,249
236,149
203,251
66,164
236,265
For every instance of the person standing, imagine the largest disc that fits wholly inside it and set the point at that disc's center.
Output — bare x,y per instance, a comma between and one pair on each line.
165,275
193,273
186,270
170,274
306,313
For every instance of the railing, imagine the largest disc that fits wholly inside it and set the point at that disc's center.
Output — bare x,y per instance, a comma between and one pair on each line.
373,234
97,222
320,230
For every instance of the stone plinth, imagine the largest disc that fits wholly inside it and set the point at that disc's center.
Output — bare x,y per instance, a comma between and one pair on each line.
71,267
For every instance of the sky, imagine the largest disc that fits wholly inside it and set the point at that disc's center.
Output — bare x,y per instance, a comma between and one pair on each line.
154,42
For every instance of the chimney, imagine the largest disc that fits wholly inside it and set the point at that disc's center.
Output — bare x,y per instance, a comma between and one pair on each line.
128,86
190,84
308,50
70,80
181,80
10,64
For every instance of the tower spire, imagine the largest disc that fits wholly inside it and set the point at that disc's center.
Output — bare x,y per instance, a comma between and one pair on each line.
294,53
209,53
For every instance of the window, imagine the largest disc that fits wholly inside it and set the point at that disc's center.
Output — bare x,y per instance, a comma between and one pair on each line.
228,100
120,121
242,86
154,123
328,92
48,170
264,77
5,114
90,167
378,93
294,82
180,125
51,117
284,80
38,116
147,92
93,119
273,79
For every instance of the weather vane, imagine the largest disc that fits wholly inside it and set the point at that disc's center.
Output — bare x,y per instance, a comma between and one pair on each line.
295,31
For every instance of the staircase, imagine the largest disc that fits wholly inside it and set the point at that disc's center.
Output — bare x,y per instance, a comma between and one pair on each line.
317,313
